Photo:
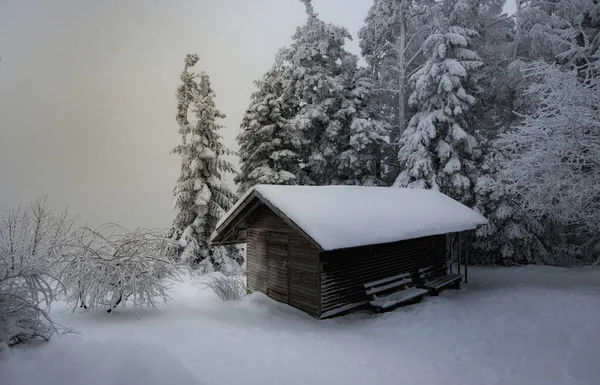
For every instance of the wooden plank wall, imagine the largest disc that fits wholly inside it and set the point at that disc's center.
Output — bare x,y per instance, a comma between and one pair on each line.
256,260
277,266
303,270
304,275
345,272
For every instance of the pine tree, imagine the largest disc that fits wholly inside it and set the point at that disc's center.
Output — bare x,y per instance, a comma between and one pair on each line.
437,150
317,74
267,147
201,196
307,110
362,137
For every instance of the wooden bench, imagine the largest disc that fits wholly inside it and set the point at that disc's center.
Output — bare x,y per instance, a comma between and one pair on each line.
404,294
432,281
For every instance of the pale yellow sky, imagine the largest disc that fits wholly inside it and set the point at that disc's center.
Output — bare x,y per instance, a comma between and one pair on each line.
87,92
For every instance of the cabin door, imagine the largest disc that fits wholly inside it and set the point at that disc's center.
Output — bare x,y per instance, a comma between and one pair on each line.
277,266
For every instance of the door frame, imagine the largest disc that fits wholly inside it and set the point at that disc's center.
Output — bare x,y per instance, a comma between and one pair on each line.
286,261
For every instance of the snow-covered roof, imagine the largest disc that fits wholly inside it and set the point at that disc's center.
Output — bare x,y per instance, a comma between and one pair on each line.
336,217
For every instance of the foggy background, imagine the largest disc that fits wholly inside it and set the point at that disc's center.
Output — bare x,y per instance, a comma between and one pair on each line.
87,105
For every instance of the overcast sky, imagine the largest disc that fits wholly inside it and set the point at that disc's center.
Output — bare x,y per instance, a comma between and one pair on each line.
87,92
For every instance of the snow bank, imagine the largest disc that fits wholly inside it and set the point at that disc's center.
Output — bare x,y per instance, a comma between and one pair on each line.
71,361
348,216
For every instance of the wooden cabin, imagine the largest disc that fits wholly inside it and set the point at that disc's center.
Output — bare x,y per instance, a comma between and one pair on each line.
329,249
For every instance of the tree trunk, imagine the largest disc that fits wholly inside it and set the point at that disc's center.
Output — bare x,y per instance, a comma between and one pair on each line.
515,53
402,73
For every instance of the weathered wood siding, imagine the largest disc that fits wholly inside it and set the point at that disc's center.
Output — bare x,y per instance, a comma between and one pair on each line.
281,263
277,266
256,260
344,272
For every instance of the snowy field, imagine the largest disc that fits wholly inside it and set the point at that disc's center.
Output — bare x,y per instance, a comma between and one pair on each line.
529,326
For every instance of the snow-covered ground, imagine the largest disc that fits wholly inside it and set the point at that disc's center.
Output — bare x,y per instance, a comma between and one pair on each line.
529,326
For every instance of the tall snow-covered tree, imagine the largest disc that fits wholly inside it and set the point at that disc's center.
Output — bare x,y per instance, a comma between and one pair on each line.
392,43
268,146
201,195
308,109
333,113
361,140
437,149
316,78
513,235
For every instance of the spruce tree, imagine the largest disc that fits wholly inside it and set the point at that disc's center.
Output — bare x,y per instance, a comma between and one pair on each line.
361,140
392,43
201,196
319,82
308,107
438,149
267,147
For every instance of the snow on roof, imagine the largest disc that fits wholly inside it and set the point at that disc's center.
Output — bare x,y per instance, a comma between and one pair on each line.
338,217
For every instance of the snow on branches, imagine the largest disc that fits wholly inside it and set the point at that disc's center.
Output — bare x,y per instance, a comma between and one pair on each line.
31,239
108,266
554,164
201,195
309,121
437,150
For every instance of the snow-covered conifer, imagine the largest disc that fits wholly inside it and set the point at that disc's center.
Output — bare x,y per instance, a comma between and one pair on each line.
438,149
362,137
267,147
306,111
392,43
201,195
316,79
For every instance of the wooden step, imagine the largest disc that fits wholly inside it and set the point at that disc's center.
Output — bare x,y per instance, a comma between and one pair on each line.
440,282
398,298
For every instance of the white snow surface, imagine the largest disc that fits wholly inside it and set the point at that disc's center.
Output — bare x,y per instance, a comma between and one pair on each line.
348,216
74,361
519,326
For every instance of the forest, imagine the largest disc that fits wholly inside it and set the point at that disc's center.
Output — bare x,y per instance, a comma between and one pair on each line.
497,111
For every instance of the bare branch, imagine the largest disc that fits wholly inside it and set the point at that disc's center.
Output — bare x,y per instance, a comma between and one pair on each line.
105,268
31,241
414,36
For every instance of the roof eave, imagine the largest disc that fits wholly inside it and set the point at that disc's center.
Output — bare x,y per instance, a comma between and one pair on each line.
288,221
217,236
217,233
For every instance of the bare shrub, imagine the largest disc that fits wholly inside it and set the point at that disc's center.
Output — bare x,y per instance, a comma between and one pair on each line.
227,287
31,239
109,265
